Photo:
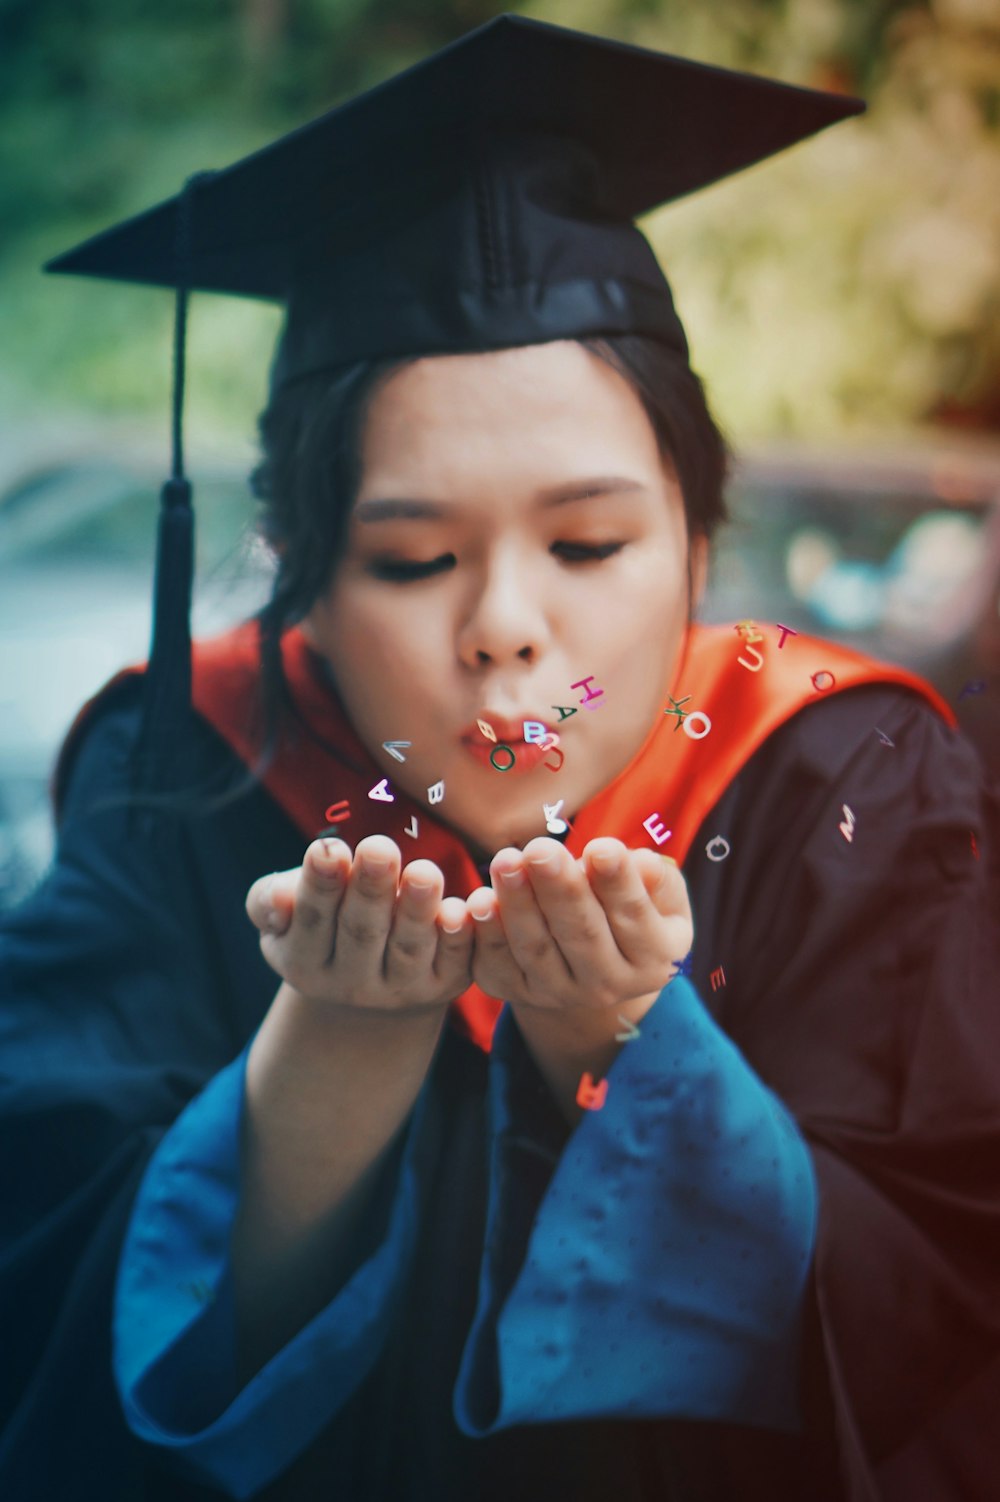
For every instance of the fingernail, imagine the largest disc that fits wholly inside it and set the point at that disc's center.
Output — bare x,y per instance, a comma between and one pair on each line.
608,862
515,877
374,865
270,920
453,927
481,917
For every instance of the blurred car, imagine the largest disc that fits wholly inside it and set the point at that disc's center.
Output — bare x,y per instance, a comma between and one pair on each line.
895,552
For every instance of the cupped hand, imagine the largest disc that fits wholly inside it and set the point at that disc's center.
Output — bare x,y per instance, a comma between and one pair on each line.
357,932
565,935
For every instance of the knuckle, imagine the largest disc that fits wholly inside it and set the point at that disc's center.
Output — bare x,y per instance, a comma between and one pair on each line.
583,930
359,929
412,947
308,916
536,948
633,908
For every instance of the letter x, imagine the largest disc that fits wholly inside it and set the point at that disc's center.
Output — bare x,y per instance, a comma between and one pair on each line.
681,714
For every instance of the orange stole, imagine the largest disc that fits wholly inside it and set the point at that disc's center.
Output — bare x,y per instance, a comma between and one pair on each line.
673,776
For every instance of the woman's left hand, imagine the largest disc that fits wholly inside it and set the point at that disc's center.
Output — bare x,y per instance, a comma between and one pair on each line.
567,937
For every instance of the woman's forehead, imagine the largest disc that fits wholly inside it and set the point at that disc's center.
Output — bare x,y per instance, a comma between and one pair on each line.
556,400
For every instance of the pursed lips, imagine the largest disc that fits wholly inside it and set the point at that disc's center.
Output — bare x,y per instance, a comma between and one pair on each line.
505,729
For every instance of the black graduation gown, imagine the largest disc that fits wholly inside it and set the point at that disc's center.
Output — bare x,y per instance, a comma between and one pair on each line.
860,986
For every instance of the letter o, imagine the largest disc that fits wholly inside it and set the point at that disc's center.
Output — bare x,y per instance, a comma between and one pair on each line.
717,840
493,757
822,687
696,714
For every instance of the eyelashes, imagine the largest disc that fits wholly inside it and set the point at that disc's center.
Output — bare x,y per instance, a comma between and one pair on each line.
399,572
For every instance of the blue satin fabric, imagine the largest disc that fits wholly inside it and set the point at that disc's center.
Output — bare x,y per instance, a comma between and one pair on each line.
661,1274
665,1269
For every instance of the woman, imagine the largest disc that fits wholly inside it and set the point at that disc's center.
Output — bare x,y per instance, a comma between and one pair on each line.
501,1152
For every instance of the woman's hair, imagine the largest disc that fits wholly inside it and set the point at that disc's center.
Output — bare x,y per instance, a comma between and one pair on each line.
307,479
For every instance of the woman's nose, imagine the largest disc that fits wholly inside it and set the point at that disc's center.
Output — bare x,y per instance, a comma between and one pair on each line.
505,618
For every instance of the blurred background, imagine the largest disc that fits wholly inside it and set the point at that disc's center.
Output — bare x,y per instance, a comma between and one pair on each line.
841,302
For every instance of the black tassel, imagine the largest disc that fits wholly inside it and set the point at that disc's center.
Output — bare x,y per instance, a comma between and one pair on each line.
167,684
158,766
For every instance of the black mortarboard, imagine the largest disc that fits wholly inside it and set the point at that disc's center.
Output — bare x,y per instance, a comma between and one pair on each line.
481,198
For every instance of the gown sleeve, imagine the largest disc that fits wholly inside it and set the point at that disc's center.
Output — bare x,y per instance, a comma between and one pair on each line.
110,1022
663,1271
174,1322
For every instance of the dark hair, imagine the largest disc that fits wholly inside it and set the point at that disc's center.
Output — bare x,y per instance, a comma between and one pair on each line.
309,474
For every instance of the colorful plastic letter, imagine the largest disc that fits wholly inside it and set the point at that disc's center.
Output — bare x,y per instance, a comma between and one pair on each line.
590,1096
661,833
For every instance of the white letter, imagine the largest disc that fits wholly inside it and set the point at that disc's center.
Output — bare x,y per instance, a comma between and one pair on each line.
661,833
696,714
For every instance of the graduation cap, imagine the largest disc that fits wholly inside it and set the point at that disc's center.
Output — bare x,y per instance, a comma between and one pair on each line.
482,198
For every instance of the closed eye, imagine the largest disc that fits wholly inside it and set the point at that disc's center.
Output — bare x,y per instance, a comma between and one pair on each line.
580,552
400,571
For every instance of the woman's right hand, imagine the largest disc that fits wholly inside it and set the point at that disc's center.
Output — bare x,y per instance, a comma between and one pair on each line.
346,932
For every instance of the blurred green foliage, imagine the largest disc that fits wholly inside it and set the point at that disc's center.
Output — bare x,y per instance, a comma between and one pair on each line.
853,282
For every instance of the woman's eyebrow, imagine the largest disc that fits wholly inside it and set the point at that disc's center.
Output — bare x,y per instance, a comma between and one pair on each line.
395,508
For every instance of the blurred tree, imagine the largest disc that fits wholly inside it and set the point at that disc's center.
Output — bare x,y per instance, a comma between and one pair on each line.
852,282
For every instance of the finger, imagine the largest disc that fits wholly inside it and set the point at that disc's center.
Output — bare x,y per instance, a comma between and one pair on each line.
453,961
264,908
574,916
663,880
413,939
493,966
271,899
317,899
531,944
365,917
636,898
